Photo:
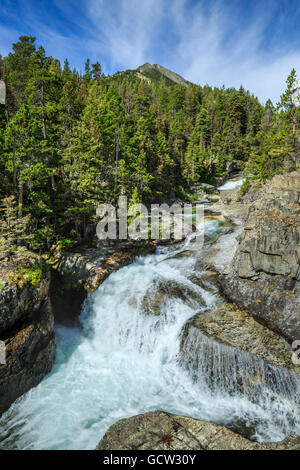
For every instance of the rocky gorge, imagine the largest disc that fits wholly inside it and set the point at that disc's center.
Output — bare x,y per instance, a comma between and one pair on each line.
28,313
235,343
247,342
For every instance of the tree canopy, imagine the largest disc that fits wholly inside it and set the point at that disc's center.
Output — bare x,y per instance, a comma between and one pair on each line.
69,141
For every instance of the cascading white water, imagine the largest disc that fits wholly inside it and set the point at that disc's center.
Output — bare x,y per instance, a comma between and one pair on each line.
232,184
227,370
120,362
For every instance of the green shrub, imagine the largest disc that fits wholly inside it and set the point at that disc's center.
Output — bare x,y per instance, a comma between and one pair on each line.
245,186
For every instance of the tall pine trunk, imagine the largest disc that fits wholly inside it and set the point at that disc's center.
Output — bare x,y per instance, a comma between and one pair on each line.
20,202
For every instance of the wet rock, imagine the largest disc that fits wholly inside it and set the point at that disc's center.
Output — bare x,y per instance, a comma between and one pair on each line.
30,354
158,430
220,254
235,327
233,353
161,291
26,328
2,92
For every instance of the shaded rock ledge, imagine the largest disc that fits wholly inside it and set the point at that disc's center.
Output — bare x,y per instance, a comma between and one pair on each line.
27,331
158,430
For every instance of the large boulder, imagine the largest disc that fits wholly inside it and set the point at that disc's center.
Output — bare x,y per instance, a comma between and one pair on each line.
264,276
158,430
161,291
231,351
232,326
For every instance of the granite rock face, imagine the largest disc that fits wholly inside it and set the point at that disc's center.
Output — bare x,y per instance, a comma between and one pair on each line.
264,276
17,303
30,354
158,430
26,323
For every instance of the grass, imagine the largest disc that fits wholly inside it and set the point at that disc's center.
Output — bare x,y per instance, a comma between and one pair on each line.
22,275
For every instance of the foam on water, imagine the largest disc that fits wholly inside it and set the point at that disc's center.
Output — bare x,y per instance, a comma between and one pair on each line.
232,184
119,362
227,370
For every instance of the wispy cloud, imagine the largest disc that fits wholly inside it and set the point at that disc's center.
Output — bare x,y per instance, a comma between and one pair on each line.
216,42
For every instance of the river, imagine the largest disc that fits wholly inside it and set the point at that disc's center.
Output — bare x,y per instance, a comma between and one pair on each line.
121,360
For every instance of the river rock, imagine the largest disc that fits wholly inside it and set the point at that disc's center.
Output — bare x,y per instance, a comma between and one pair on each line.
235,327
233,353
158,430
264,276
220,253
162,291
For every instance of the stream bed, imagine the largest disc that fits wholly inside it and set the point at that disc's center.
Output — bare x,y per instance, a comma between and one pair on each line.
122,359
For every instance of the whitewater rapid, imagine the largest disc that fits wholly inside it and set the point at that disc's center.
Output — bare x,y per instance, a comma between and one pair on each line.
231,184
121,360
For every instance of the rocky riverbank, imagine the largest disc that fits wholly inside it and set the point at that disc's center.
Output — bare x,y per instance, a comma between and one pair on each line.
241,353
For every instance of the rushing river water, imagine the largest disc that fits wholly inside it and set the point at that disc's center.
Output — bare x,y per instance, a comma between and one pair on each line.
232,184
122,360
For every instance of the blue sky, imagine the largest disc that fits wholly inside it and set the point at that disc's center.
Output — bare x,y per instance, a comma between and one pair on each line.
230,42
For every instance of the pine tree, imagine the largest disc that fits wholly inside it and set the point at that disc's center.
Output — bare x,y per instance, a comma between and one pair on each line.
14,232
96,71
18,71
87,70
288,101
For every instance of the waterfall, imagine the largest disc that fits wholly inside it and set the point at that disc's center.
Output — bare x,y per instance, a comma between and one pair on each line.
227,370
120,361
232,184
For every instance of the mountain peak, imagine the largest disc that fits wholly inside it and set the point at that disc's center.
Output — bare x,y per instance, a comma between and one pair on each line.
156,72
